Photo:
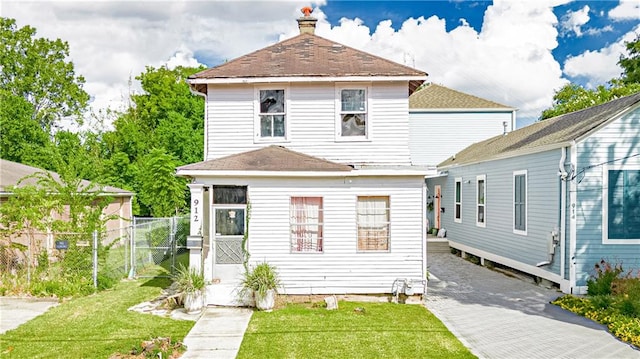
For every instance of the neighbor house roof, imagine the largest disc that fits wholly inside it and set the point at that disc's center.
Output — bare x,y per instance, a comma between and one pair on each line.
272,158
12,172
439,97
307,56
559,131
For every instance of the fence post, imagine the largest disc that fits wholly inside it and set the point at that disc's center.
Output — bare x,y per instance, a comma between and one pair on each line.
132,270
95,259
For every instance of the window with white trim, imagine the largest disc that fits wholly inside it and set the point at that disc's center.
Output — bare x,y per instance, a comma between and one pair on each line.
272,114
481,198
373,223
353,114
306,222
520,202
457,201
621,205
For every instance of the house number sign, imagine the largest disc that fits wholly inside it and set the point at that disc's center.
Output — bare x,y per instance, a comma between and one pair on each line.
196,217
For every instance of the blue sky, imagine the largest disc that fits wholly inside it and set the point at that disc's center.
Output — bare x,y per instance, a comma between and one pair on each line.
515,52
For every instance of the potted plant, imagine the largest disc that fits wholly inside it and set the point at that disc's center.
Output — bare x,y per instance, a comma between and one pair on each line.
190,283
261,280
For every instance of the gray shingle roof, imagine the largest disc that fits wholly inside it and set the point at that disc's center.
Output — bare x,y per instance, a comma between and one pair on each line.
439,97
12,172
308,55
558,131
272,158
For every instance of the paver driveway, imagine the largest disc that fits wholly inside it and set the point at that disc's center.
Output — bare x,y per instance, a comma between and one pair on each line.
497,316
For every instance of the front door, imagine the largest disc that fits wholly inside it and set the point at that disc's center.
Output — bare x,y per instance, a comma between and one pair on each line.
437,204
229,226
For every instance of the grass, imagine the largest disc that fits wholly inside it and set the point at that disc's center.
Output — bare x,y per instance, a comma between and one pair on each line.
95,326
382,330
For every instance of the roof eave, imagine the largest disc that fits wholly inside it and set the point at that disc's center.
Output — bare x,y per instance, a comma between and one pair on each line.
510,154
281,79
463,109
306,174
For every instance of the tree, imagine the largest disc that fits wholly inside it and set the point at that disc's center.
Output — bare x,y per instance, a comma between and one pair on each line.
573,97
160,190
36,70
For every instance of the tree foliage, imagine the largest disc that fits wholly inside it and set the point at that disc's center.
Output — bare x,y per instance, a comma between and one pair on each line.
160,190
573,97
37,70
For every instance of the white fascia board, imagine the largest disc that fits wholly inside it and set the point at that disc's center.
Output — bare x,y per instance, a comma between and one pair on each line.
462,110
607,122
308,174
250,80
516,153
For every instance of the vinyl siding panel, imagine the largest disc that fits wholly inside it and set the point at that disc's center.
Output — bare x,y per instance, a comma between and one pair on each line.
340,268
311,118
611,145
435,136
543,191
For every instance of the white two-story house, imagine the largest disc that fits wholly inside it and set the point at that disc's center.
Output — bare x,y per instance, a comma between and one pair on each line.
307,166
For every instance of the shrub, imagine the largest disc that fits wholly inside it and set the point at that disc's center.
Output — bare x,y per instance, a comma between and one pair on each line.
605,273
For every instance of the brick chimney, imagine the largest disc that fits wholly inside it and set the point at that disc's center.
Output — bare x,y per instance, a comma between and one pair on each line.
307,24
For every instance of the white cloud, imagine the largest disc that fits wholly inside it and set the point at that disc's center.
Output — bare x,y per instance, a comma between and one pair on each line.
573,21
509,60
599,66
596,31
626,10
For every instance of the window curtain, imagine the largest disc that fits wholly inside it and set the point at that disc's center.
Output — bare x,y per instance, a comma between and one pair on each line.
373,223
306,224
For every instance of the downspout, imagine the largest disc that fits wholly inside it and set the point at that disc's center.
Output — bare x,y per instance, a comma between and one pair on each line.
425,274
205,125
573,199
563,210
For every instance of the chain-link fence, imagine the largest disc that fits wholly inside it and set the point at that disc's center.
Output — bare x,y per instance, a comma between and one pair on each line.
70,263
159,242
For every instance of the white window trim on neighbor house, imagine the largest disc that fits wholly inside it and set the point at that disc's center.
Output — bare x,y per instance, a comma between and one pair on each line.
457,204
258,138
482,178
339,87
516,174
605,203
374,225
304,239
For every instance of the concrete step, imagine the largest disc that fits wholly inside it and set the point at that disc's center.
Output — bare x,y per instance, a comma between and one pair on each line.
226,294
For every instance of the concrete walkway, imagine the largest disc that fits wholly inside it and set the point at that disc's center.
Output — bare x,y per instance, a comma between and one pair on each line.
501,317
218,333
16,311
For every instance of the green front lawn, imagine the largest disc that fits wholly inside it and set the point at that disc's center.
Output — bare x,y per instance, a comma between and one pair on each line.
382,330
94,326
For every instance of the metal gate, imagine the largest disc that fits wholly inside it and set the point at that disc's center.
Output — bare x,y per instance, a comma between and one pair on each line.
158,242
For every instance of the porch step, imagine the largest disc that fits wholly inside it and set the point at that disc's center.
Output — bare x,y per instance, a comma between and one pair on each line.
438,246
225,294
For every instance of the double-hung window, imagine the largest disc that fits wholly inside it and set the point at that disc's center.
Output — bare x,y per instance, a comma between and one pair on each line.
621,205
272,114
353,115
373,223
520,202
457,204
306,222
481,197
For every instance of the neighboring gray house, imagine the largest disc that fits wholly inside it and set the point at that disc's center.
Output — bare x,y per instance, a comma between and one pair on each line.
443,121
551,199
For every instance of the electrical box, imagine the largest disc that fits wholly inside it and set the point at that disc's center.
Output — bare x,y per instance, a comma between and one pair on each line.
194,242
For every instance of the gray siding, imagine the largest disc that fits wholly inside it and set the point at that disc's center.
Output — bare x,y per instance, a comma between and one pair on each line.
498,237
610,146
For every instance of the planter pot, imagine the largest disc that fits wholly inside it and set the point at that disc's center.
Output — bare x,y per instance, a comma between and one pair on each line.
267,302
194,301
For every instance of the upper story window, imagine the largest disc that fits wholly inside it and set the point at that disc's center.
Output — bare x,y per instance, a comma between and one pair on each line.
481,198
520,202
272,115
621,205
457,215
353,113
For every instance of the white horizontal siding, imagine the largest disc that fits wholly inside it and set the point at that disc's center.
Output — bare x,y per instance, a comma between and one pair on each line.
340,268
434,137
311,118
613,144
